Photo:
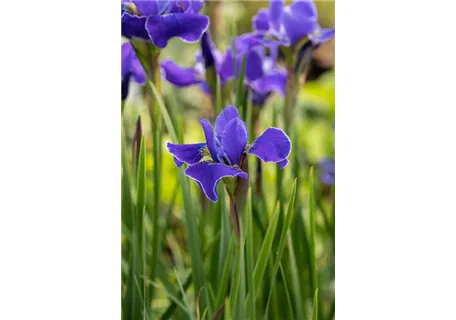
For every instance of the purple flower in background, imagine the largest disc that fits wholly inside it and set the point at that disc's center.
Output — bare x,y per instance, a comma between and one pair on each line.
226,148
285,26
326,169
160,20
208,57
273,80
130,68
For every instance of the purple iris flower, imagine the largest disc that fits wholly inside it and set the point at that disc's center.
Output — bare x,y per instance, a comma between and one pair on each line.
286,25
208,57
226,148
326,169
273,80
160,20
130,68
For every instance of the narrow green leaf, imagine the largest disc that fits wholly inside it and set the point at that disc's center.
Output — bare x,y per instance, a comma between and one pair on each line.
177,301
189,216
265,252
287,294
288,220
225,273
250,258
312,234
315,306
240,92
295,279
169,311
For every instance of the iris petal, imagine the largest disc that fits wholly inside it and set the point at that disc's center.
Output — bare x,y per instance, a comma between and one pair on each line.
276,81
234,139
210,139
188,153
133,26
181,77
228,113
275,12
261,20
299,20
272,146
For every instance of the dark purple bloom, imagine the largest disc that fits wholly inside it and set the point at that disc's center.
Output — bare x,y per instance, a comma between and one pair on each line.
224,65
285,26
160,20
326,169
130,68
225,148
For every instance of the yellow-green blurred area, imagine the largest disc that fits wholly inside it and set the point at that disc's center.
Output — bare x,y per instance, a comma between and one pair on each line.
315,109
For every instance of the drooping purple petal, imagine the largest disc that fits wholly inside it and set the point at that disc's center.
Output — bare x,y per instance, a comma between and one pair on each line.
275,81
272,146
137,71
207,47
234,139
149,7
133,26
299,20
210,138
228,113
208,174
126,51
275,12
188,153
282,164
261,20
254,66
188,27
181,77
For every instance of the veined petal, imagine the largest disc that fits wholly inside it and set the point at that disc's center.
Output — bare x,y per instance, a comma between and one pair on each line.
282,164
208,174
261,20
149,7
228,113
272,146
133,26
275,12
299,20
181,77
189,27
188,153
210,139
234,139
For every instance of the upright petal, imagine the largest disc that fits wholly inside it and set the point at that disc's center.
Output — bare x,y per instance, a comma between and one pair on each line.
234,139
261,20
149,7
210,139
254,66
208,174
299,20
207,47
226,69
189,27
133,26
275,12
228,113
178,76
272,146
186,153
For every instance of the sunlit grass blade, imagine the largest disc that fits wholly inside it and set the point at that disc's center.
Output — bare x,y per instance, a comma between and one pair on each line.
265,252
283,235
240,91
189,216
315,306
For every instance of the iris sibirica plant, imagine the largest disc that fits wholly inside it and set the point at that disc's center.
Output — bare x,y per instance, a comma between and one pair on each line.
226,149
